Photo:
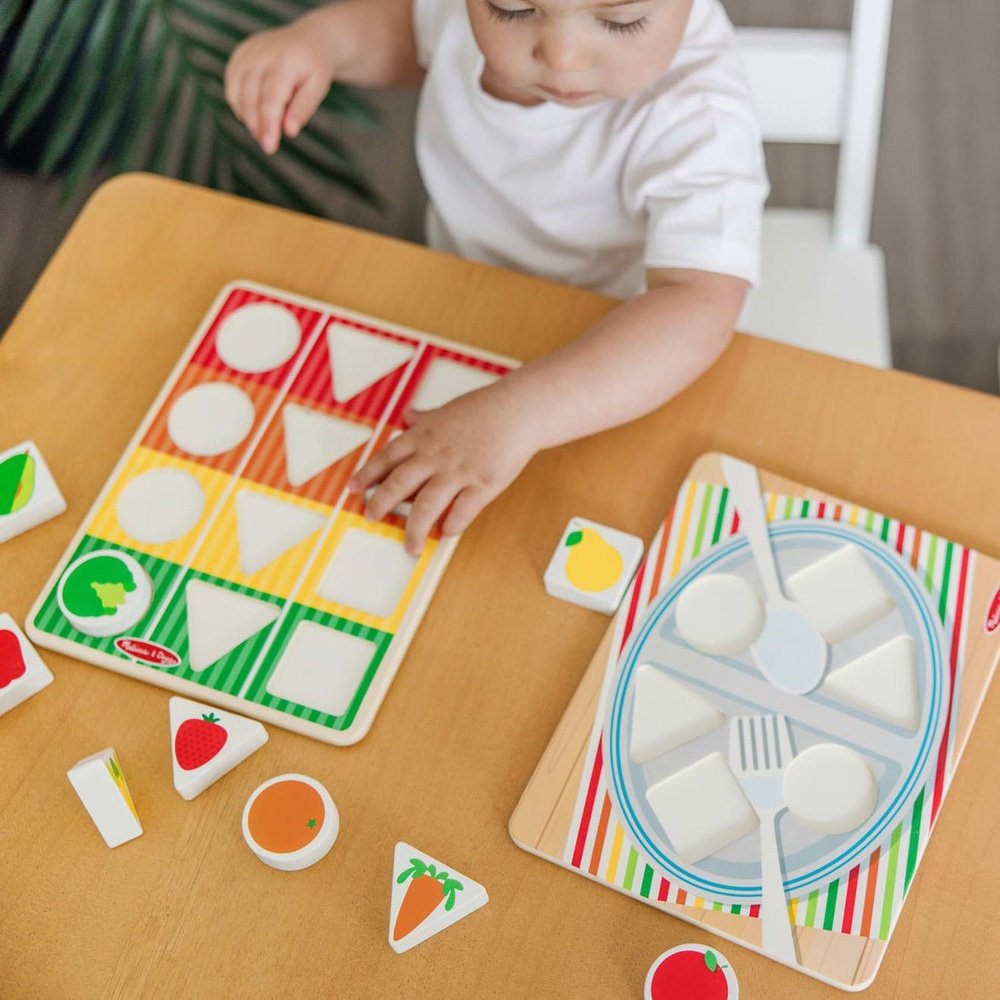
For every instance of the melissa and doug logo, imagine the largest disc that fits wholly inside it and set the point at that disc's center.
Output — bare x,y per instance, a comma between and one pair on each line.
147,652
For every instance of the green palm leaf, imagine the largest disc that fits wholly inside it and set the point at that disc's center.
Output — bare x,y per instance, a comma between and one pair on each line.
138,84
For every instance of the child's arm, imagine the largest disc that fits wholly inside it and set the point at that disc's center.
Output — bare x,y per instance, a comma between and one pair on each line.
640,355
276,79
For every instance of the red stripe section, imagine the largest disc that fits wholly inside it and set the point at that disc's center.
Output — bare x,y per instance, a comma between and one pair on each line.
588,809
755,910
736,523
633,604
852,893
821,510
900,535
956,634
663,891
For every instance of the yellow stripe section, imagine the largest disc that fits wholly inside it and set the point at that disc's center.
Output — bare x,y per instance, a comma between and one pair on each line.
616,849
682,533
772,506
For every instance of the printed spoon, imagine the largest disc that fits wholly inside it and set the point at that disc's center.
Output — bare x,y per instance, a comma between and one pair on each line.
789,651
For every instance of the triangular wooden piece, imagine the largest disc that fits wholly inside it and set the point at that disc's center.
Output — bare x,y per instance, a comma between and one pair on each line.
206,743
427,897
218,620
882,682
268,528
667,714
358,359
314,441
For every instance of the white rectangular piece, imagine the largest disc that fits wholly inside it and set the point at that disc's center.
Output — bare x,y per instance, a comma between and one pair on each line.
28,493
593,565
22,672
101,785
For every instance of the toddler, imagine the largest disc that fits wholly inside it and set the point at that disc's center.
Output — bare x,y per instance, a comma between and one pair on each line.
610,145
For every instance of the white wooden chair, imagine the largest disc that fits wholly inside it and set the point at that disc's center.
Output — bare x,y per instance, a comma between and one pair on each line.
823,284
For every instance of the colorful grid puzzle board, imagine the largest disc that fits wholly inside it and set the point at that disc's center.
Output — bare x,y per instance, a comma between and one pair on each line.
225,558
654,803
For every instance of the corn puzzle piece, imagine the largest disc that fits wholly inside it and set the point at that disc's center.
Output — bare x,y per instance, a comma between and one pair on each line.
100,783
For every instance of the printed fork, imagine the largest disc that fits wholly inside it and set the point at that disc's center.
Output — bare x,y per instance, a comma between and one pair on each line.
760,748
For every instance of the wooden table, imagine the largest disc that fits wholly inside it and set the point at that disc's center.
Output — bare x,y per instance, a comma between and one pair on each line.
186,910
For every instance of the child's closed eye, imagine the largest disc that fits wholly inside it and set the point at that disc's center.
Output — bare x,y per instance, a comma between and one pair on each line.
625,27
503,14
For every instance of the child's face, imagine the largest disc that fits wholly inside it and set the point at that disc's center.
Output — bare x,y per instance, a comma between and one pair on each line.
575,52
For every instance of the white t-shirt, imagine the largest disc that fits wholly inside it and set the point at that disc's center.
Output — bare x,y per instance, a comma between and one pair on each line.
592,196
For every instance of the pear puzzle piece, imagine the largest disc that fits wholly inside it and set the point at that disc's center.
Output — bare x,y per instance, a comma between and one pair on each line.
28,493
207,743
100,783
22,672
427,898
593,565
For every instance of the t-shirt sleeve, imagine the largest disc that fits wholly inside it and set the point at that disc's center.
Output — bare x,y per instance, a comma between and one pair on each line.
429,20
700,179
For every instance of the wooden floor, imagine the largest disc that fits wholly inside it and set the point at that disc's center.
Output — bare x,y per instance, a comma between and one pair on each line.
936,215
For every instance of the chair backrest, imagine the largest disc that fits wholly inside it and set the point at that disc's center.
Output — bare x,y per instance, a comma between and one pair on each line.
824,86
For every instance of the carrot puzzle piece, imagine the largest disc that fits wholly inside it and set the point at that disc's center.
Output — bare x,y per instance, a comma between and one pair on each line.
427,898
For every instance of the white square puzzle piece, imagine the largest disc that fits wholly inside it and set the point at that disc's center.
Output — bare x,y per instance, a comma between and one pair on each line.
840,593
321,668
22,672
207,743
101,785
28,493
593,565
702,808
368,573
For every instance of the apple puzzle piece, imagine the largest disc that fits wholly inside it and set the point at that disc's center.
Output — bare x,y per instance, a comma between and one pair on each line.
593,565
22,672
100,783
28,493
427,898
691,972
207,743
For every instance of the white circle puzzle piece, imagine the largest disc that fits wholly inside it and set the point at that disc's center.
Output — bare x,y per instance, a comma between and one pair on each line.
720,614
104,593
210,419
290,822
830,788
160,506
258,337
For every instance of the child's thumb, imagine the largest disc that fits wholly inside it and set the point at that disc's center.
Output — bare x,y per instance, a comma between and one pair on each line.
303,105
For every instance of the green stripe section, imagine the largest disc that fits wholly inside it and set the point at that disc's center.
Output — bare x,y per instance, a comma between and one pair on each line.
721,515
884,533
633,857
788,507
52,621
811,908
298,613
737,909
931,557
647,881
945,574
717,906
702,519
870,521
890,884
911,853
831,904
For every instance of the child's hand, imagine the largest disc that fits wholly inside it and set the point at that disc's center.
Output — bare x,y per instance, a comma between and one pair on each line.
463,455
275,81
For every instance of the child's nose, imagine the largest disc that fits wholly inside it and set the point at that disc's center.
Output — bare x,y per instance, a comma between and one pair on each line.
560,48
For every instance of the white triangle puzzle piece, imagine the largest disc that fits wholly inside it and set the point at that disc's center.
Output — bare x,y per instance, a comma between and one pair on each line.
358,359
446,380
314,441
882,682
421,890
219,620
268,528
667,714
206,743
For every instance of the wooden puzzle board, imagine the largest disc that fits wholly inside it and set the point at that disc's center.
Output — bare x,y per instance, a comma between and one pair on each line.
271,594
569,814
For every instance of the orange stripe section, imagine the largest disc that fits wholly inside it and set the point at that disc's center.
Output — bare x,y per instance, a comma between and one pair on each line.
866,913
602,829
654,587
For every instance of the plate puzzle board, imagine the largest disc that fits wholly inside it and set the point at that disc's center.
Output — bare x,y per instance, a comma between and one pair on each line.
225,558
642,785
